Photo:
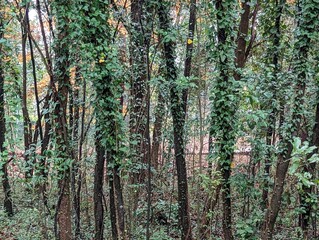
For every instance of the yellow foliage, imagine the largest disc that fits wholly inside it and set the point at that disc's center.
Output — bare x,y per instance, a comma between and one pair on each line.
7,59
101,60
232,165
72,75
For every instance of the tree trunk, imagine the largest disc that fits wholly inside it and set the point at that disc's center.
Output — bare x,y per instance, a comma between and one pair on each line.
26,118
5,178
157,131
98,188
63,209
106,108
272,116
178,114
140,34
223,114
222,128
63,229
304,217
241,38
113,213
159,113
307,28
47,120
189,50
75,173
139,49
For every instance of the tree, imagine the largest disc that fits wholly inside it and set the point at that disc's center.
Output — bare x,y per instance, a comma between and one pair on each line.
178,114
4,162
307,24
229,63
140,33
273,89
108,116
63,228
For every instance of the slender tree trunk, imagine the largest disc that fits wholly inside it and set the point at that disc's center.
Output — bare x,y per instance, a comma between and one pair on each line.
224,127
305,217
178,114
38,128
159,113
306,27
157,131
107,125
118,185
5,178
35,81
47,120
119,201
26,118
81,176
140,34
224,132
116,234
140,39
75,174
63,208
108,128
272,117
63,225
98,188
189,49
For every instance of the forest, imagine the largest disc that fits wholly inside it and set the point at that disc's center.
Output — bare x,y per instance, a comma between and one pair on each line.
159,120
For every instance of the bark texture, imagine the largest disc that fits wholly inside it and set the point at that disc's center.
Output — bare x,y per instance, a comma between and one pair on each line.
63,229
178,115
302,46
7,202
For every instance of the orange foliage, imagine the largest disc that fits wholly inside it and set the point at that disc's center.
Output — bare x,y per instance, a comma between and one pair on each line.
43,83
20,57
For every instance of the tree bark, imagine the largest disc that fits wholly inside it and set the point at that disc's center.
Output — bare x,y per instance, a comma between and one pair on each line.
272,116
47,120
224,133
108,128
98,188
139,49
178,115
5,178
63,228
189,50
75,173
305,217
302,46
157,131
140,34
26,118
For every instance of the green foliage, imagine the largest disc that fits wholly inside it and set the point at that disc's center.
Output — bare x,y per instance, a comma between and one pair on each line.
210,184
246,229
224,91
301,159
100,41
27,224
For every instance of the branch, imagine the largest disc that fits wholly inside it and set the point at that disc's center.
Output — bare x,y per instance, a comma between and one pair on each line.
253,32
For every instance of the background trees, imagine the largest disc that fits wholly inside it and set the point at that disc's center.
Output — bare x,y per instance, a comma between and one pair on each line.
112,127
